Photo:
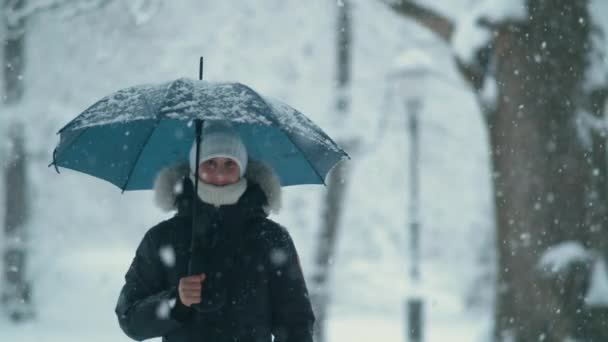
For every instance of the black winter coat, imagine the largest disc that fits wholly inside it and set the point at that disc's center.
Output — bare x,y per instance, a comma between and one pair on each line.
253,275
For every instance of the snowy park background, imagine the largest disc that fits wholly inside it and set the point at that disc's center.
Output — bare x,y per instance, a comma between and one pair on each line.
84,231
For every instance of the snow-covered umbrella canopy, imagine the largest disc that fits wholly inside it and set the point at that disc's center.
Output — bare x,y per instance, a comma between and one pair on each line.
127,137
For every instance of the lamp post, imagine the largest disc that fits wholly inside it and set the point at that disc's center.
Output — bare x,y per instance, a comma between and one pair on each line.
411,70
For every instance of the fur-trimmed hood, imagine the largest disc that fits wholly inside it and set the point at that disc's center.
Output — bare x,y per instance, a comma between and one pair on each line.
168,184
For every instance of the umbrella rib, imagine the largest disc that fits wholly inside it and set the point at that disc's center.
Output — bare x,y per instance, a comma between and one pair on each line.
78,117
82,132
141,150
143,146
68,124
305,157
299,149
274,121
304,154
324,135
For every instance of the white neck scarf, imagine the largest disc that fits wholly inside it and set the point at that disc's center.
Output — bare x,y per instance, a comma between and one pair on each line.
221,195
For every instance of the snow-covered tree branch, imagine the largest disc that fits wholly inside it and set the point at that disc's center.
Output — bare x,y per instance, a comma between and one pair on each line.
70,7
470,58
428,18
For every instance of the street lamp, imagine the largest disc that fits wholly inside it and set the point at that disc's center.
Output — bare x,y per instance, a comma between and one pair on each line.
410,72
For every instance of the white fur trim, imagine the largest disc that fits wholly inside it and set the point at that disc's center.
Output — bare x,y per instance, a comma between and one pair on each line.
168,185
263,174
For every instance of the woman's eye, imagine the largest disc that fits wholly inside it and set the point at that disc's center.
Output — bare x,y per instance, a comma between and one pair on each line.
230,164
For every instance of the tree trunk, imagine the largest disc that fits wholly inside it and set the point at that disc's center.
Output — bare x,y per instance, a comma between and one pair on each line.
543,173
336,185
15,289
549,175
326,248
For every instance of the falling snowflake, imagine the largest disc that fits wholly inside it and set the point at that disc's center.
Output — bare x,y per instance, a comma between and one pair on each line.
167,255
163,310
278,257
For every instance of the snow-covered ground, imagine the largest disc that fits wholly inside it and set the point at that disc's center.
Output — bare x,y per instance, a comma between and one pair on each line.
84,231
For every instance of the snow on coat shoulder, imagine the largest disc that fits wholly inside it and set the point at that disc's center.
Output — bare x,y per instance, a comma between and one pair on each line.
168,184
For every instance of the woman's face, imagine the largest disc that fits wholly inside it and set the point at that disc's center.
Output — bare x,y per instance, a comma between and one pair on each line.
219,171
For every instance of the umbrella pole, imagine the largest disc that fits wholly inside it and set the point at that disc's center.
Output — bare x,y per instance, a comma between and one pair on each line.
198,124
194,241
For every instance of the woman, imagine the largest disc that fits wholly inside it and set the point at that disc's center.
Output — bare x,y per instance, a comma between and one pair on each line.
246,282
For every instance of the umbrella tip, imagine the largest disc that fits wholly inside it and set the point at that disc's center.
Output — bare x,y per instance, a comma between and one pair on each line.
54,162
55,165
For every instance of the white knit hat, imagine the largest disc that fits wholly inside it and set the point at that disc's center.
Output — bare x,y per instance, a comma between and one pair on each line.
219,139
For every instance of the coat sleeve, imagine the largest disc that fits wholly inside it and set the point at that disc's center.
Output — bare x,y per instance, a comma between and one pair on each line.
146,308
292,315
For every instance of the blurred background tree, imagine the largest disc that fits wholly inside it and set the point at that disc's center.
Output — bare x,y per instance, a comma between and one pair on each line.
337,180
535,78
16,289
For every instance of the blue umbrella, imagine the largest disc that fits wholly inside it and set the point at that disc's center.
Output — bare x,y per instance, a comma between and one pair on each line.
127,137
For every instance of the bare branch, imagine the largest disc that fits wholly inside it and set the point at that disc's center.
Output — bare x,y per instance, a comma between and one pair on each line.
428,18
99,4
472,73
444,28
76,7
16,15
